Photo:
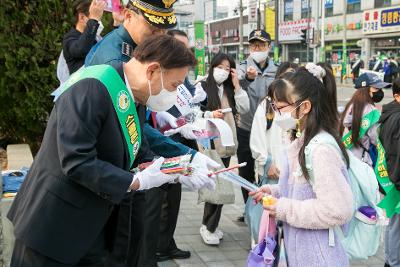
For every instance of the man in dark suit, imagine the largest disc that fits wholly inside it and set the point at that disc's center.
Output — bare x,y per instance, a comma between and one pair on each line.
65,211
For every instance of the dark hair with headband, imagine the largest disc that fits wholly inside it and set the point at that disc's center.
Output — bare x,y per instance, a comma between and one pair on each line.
315,85
167,50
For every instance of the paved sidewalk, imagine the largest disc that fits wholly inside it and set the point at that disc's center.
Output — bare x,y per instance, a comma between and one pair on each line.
235,246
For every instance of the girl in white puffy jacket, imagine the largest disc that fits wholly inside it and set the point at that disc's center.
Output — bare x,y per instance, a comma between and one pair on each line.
266,136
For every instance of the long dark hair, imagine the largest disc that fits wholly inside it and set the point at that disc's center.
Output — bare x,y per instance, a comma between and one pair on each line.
323,114
211,88
359,100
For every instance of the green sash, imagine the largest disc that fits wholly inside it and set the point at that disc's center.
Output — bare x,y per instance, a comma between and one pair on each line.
124,104
391,202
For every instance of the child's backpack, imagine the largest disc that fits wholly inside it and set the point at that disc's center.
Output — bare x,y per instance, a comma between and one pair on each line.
362,236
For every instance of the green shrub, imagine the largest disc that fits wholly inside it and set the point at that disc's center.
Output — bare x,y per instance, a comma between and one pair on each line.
31,34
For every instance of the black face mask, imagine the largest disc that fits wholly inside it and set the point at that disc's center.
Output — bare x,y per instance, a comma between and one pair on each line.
377,96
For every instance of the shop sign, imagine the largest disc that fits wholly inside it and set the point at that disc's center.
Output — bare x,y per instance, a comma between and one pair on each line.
291,30
381,20
336,28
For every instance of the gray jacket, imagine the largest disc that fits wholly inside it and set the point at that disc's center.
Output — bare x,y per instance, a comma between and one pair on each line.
256,90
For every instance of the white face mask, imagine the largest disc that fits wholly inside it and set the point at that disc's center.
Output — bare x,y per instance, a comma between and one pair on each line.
285,121
259,56
163,101
220,75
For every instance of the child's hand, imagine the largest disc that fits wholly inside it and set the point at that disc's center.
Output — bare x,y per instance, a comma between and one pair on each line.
259,194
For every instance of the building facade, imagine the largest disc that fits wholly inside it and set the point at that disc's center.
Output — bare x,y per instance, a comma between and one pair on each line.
370,28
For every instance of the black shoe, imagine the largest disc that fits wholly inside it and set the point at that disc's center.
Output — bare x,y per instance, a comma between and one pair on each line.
174,254
240,219
162,257
179,254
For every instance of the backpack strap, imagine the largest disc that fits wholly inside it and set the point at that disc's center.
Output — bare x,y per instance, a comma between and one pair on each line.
321,138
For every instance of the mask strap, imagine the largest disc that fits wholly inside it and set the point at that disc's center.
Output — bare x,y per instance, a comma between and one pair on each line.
149,86
162,79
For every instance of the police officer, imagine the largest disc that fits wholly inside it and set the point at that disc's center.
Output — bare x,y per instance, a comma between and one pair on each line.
255,74
65,212
143,18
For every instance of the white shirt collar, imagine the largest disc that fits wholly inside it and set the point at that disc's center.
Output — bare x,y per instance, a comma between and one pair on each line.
127,85
220,90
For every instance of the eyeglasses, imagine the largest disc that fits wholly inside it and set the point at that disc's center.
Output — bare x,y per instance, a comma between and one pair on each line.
277,109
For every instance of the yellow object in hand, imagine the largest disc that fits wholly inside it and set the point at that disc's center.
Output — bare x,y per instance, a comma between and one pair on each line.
268,201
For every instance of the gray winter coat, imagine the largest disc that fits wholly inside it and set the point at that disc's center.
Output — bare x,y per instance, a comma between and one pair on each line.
256,90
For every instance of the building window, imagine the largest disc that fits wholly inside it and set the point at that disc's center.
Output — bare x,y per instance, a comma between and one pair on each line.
288,8
328,8
382,3
353,6
305,8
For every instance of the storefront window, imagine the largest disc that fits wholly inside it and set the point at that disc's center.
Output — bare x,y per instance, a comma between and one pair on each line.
288,14
353,6
334,51
382,3
386,46
299,51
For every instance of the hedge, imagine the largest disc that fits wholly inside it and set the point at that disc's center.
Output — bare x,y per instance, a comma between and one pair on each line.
31,35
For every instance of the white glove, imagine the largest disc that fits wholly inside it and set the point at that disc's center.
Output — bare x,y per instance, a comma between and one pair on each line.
203,162
199,95
202,166
198,179
164,118
186,131
153,177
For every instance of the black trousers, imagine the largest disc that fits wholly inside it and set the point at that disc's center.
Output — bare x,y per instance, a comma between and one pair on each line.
168,218
154,198
170,207
212,212
244,155
24,256
128,238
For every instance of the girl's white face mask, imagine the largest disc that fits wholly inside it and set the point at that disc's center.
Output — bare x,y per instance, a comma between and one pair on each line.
220,75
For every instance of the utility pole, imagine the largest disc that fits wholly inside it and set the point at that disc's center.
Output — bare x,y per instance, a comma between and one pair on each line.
258,15
240,30
276,48
344,55
322,50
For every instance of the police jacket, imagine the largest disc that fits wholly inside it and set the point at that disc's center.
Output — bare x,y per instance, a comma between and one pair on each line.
256,89
80,172
117,47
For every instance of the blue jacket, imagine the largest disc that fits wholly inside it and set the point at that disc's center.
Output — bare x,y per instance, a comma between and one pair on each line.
116,47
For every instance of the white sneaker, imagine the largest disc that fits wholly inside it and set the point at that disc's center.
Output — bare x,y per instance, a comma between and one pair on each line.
219,233
208,237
